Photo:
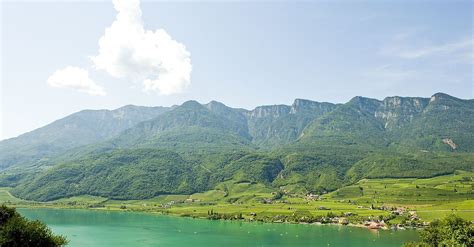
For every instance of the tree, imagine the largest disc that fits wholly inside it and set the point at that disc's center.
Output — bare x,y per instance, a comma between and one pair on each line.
16,231
451,231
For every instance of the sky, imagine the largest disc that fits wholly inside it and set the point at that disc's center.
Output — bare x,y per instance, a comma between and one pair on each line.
60,57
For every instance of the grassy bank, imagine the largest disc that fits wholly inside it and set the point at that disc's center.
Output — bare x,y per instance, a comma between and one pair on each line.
369,199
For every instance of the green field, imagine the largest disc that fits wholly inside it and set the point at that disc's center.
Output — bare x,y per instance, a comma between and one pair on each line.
7,198
432,198
411,191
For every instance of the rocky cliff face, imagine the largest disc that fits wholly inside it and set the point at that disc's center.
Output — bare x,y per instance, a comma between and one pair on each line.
396,112
281,124
408,121
425,123
393,112
302,105
272,111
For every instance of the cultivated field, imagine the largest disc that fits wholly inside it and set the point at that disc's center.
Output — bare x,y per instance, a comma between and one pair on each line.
431,198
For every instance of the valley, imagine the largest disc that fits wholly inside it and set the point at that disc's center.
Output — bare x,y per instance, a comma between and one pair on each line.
363,161
428,199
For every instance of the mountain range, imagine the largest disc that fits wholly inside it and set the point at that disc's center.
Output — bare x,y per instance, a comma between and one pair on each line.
139,152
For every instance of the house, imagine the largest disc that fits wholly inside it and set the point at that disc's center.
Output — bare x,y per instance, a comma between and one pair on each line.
311,197
399,211
343,221
267,201
373,225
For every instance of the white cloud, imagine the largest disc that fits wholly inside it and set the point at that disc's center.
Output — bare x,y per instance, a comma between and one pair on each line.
389,73
75,78
459,46
127,50
460,50
388,76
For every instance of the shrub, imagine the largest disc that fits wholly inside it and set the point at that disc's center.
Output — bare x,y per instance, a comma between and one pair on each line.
451,231
16,231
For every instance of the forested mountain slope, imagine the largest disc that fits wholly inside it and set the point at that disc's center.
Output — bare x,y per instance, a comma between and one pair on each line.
136,152
81,128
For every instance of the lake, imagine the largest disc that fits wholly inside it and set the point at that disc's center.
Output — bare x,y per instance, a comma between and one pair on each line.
102,228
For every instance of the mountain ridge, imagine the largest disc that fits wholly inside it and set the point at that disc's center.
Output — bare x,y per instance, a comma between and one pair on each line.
306,146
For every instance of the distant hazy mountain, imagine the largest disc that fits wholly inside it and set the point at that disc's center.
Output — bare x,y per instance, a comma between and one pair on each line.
81,128
140,152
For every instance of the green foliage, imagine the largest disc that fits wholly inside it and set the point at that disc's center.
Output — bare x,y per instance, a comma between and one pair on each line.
322,169
451,231
16,231
410,191
445,117
121,174
189,126
145,173
252,168
306,147
406,165
81,128
353,123
277,125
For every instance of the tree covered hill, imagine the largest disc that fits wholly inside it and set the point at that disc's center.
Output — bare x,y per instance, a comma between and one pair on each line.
441,123
138,152
78,129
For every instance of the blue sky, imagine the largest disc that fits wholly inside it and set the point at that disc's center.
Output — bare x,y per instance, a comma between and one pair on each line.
242,53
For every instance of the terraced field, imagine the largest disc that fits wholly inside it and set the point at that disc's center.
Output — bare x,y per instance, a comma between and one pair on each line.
432,198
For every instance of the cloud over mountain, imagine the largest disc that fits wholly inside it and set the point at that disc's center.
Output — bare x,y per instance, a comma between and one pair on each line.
75,78
128,50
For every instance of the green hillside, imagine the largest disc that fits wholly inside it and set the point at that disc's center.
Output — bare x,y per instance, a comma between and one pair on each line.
188,126
278,125
78,129
444,125
306,147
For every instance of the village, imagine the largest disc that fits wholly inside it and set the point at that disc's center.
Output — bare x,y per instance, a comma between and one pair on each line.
409,218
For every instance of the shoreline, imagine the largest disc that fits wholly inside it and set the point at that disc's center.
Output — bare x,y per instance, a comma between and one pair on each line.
161,213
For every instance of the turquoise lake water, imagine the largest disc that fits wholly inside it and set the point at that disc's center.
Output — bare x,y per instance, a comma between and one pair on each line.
103,229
